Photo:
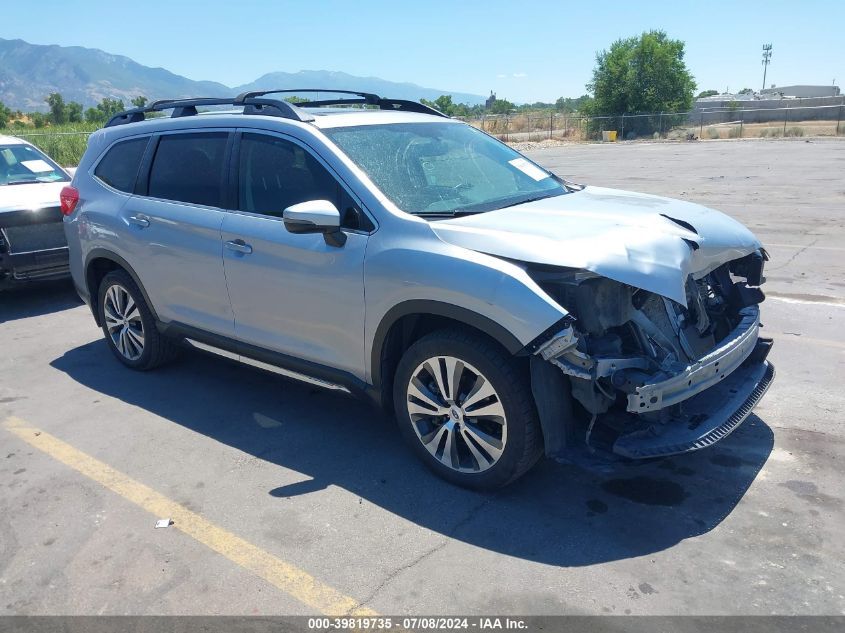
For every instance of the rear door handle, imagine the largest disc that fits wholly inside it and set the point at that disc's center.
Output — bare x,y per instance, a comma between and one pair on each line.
139,219
239,246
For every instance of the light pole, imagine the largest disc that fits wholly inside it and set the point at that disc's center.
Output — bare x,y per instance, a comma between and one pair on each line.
767,56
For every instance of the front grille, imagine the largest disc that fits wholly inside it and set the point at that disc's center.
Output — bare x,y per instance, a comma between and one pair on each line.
34,237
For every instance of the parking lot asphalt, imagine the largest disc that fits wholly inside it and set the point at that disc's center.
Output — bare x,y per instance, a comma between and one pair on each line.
291,500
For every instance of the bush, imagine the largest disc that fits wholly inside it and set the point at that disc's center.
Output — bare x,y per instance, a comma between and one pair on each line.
713,133
66,150
67,147
795,131
764,132
734,132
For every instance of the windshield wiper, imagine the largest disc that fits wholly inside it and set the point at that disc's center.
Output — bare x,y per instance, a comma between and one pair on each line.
21,182
447,214
526,201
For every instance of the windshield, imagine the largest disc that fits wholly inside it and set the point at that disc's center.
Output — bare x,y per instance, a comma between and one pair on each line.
23,164
443,168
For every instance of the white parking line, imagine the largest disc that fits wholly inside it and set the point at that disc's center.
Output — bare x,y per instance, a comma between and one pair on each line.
831,302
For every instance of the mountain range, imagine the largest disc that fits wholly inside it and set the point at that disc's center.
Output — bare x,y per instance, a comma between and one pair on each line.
30,72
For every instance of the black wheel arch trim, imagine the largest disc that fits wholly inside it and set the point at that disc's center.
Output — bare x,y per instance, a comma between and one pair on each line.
436,308
102,253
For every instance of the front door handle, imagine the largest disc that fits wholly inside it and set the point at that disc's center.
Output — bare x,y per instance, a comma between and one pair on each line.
239,246
139,219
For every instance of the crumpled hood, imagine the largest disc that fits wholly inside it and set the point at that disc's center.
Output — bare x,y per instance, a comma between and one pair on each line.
645,241
30,196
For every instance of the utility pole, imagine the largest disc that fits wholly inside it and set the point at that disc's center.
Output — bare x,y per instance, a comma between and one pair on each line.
767,56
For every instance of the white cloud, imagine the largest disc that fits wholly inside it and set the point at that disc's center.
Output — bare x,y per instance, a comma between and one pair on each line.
501,76
520,75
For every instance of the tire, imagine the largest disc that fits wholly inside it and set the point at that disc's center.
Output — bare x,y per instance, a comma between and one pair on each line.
128,324
482,452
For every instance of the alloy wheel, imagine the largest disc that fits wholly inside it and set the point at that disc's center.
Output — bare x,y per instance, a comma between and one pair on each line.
123,322
457,414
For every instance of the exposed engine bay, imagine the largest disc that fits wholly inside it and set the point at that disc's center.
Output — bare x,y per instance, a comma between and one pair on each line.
634,358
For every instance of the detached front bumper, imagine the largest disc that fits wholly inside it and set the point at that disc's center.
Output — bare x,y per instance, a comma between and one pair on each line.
679,411
706,418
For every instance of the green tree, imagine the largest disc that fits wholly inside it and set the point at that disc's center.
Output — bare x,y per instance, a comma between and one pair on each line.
39,119
707,93
746,91
645,74
501,106
139,102
58,109
5,115
443,104
568,104
106,109
73,112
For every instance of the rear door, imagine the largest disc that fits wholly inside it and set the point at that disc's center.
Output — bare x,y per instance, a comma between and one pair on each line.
176,222
294,294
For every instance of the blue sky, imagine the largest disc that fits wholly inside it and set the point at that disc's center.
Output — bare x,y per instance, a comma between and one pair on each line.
525,51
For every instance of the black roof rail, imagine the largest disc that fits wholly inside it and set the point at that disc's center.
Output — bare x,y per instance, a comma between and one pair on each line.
255,103
364,98
188,107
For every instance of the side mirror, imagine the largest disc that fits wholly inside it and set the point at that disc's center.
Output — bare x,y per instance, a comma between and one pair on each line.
315,216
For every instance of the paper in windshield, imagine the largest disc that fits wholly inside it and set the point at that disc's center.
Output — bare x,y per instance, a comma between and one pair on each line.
532,171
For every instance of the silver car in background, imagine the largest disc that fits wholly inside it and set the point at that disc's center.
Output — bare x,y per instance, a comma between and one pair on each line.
375,246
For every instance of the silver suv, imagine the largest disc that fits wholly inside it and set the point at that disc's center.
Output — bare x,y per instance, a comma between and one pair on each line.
376,246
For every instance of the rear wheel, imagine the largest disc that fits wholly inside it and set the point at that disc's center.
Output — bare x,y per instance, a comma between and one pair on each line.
466,410
129,325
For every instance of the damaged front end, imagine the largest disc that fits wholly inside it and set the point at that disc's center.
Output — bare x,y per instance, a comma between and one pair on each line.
32,246
654,377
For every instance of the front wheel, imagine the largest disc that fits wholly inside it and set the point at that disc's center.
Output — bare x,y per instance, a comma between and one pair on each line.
466,409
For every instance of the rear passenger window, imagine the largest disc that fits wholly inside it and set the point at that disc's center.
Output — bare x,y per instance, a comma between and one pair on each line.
189,168
119,166
276,174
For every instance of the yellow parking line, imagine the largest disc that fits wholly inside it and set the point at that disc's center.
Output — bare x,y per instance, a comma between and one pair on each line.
289,578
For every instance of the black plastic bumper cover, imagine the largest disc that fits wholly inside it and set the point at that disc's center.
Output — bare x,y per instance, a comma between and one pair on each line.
707,418
36,256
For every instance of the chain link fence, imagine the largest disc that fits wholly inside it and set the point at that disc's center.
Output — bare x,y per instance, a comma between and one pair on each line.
705,123
67,146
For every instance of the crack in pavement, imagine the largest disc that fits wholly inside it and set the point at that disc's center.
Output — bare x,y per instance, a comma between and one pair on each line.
797,253
448,537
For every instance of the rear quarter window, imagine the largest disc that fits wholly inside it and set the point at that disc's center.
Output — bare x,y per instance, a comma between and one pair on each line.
119,167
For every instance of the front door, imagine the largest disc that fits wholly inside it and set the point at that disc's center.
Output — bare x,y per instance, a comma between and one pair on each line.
292,293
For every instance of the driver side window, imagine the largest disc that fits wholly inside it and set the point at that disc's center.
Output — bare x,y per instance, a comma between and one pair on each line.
275,174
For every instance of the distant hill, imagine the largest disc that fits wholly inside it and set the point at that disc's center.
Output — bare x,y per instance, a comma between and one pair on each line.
29,72
344,81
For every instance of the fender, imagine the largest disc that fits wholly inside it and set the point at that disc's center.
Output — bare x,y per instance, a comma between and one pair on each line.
102,253
437,308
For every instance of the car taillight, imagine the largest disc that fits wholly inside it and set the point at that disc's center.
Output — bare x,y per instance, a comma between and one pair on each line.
69,197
